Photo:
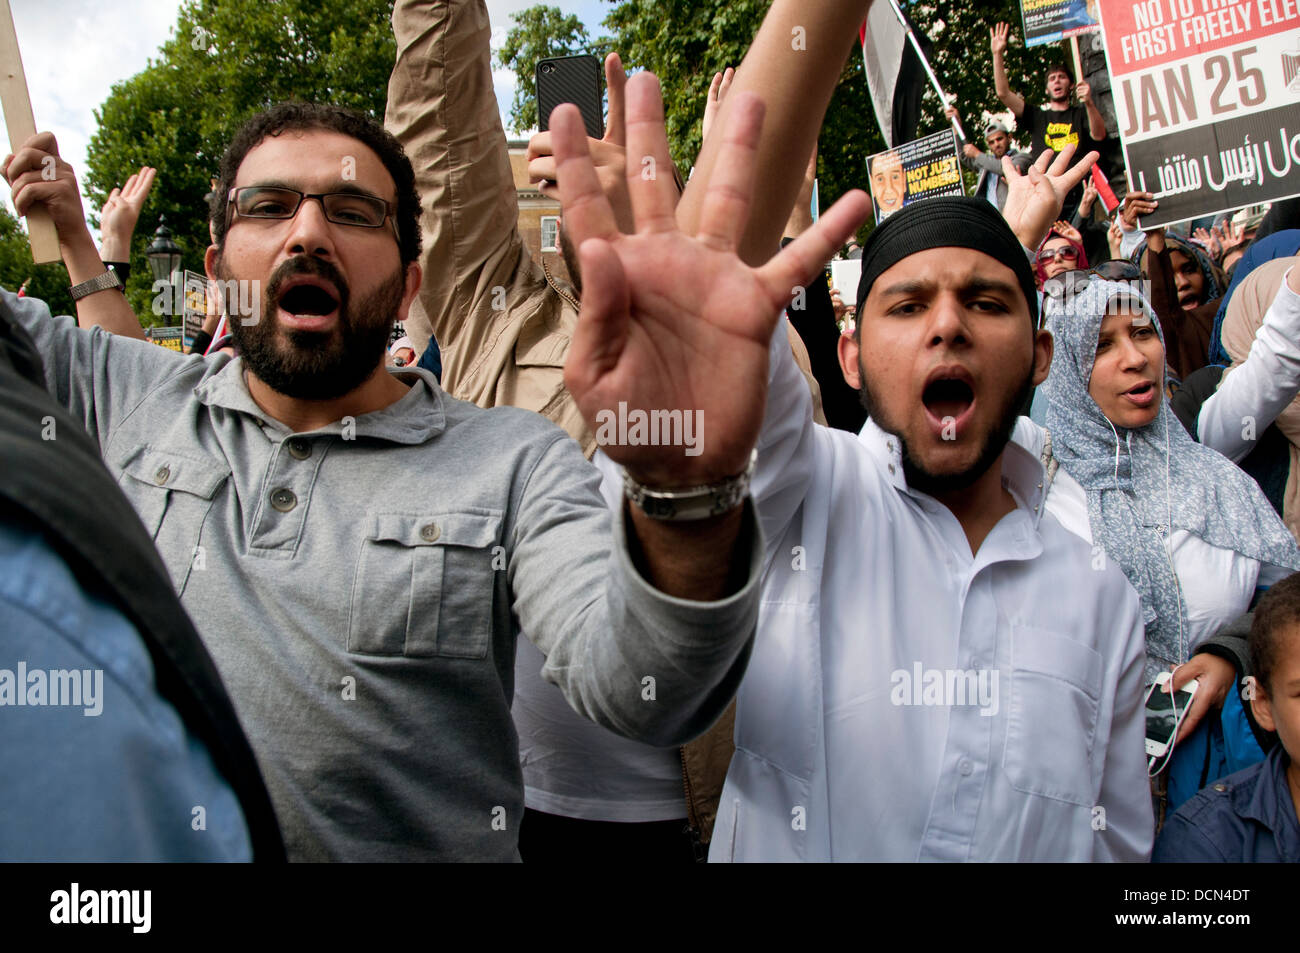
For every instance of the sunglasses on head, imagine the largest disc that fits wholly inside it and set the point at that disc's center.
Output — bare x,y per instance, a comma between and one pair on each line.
1069,282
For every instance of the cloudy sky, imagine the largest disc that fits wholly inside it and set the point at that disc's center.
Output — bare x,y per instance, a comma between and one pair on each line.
75,50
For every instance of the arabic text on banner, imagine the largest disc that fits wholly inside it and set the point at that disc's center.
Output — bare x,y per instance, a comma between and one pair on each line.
1207,95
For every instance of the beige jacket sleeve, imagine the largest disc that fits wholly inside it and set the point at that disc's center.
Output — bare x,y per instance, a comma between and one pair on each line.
503,329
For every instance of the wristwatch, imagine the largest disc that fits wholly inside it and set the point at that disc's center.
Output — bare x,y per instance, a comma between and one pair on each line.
99,283
692,503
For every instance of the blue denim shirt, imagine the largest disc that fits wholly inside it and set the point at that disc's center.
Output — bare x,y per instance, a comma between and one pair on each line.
106,771
1248,817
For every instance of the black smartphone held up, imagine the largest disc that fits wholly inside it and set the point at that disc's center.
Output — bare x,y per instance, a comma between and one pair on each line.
571,79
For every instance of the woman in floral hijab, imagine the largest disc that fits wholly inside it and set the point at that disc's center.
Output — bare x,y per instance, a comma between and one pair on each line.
1191,531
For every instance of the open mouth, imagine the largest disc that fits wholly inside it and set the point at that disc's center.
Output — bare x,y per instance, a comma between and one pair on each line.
308,300
308,303
949,400
948,397
1142,394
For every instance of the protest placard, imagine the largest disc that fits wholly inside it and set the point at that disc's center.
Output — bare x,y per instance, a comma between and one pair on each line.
196,305
1050,21
845,276
916,170
1207,94
172,338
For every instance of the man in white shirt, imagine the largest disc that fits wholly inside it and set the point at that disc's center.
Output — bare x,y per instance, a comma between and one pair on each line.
942,671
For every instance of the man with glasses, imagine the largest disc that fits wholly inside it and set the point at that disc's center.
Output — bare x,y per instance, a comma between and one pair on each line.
368,642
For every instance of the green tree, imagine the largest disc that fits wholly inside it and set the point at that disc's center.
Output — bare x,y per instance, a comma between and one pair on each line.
538,33
225,61
47,282
685,42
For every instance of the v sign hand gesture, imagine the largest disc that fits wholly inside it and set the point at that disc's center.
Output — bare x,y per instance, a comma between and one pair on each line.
671,322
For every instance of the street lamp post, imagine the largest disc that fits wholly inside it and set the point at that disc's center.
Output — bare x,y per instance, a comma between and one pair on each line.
164,258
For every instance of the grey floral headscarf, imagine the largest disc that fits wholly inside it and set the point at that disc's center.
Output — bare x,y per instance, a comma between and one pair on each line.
1144,483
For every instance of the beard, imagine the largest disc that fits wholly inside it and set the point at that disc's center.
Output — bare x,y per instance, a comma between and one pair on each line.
317,365
940,484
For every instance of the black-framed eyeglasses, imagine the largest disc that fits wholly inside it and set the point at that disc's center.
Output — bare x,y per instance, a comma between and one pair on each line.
342,208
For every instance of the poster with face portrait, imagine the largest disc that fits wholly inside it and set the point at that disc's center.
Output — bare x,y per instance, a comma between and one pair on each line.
1050,21
1207,97
917,170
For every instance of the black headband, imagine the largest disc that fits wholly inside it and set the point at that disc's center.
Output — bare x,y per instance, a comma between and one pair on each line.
947,222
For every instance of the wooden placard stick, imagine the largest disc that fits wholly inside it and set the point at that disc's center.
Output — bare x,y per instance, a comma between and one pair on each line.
1074,50
17,105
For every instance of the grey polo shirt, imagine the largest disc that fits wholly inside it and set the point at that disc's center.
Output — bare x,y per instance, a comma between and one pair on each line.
361,588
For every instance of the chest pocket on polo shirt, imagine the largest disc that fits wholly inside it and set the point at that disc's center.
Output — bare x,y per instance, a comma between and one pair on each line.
172,492
424,585
1052,704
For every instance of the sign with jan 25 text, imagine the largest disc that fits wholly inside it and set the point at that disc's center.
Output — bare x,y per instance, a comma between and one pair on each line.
1207,95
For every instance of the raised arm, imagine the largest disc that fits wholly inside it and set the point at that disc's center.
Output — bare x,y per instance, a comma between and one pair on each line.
28,173
442,108
1096,123
998,46
661,309
1164,297
1251,397
795,82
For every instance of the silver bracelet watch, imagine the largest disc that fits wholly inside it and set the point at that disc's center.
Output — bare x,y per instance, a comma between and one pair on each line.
692,503
102,282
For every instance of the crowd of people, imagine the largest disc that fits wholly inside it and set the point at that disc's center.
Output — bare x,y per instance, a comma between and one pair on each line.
896,592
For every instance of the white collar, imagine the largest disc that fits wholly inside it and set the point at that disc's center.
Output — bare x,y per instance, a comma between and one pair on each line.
1023,474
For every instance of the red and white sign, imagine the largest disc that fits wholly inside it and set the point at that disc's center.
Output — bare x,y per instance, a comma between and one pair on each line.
1207,96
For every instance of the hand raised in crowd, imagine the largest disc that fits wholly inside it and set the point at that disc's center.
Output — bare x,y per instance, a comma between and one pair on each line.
998,38
1089,199
718,90
38,175
40,178
1234,235
660,308
607,154
1136,204
1084,92
1068,231
1034,200
1114,238
1215,676
1210,241
121,212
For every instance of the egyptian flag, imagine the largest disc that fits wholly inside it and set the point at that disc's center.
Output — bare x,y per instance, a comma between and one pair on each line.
895,75
1104,191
